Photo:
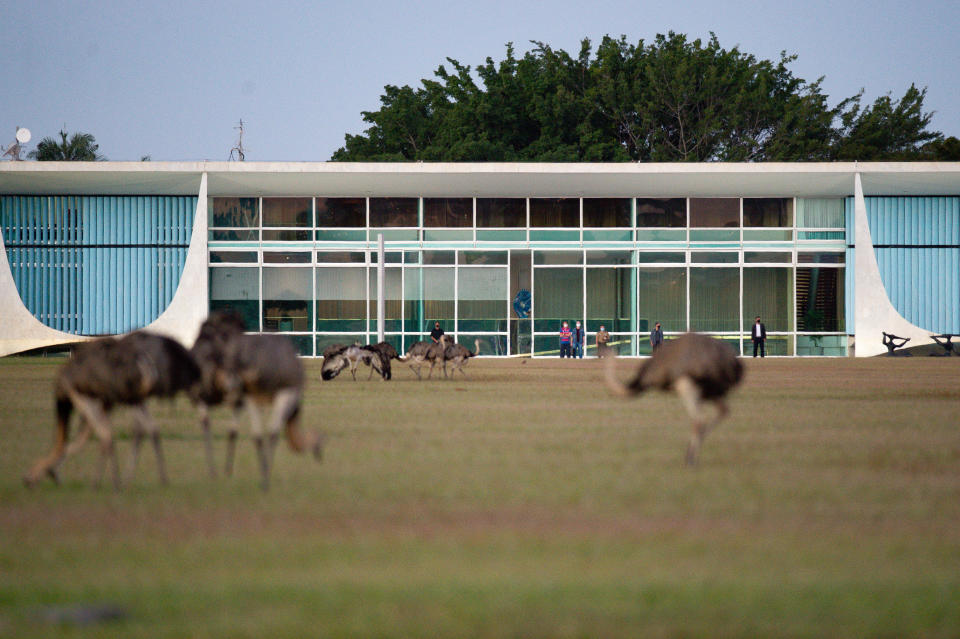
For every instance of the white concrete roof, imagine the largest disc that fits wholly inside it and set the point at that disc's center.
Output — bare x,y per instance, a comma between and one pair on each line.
480,179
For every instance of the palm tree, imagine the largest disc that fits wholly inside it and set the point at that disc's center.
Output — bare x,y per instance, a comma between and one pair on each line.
81,147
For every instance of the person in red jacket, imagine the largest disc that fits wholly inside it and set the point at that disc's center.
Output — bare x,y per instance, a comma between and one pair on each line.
566,335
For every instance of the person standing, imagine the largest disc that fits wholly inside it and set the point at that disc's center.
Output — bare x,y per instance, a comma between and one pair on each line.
656,338
436,333
578,338
602,338
759,335
565,336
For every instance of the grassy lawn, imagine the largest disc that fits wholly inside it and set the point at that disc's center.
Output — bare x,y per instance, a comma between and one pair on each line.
521,502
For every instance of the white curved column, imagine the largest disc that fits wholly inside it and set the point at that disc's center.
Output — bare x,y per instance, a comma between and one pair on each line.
19,329
182,318
873,310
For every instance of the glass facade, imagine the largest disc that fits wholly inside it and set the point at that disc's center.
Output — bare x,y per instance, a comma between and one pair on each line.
508,271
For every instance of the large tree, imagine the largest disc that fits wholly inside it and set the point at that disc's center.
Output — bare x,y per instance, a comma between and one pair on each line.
80,147
670,100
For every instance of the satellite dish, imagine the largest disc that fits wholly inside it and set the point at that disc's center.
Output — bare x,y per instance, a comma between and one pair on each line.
23,135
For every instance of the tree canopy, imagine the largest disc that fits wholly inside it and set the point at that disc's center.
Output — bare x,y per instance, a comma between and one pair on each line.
80,147
667,101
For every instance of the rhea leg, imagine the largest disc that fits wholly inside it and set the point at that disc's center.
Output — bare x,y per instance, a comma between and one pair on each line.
232,437
144,425
95,415
262,446
693,402
48,463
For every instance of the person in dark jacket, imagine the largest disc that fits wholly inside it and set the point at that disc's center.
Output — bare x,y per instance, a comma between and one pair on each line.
759,335
578,340
656,338
436,333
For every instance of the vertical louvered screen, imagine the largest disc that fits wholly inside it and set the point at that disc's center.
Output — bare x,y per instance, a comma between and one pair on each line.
95,265
917,244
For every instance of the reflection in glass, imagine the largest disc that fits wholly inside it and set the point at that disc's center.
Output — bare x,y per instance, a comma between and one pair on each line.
287,299
482,303
506,212
286,257
392,299
237,289
235,257
341,211
820,257
820,300
489,344
645,257
302,343
606,212
777,345
557,296
820,213
609,301
714,212
521,340
235,211
822,345
341,299
661,212
428,297
714,257
393,211
662,297
299,235
338,257
245,235
768,292
448,211
608,257
767,211
714,299
759,257
558,257
287,211
483,257
439,257
555,212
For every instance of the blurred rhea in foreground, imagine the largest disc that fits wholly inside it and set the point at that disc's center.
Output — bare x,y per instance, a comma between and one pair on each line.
104,373
700,369
252,371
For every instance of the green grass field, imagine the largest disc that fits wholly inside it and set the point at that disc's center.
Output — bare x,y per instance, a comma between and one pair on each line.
522,502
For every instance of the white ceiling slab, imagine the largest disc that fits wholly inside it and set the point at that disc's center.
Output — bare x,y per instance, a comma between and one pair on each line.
479,179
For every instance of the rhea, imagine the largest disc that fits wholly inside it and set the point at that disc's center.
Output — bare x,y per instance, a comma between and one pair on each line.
255,371
422,353
457,356
699,369
108,372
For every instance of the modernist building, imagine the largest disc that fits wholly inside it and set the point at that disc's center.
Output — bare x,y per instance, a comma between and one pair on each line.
829,255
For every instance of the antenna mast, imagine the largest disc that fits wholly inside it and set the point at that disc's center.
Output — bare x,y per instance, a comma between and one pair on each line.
238,149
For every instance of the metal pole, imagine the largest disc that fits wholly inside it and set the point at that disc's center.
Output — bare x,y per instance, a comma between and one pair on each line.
380,295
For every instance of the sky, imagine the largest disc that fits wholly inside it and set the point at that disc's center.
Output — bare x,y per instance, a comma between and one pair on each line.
171,80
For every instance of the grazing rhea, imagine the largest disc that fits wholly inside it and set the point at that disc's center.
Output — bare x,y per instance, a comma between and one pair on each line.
701,370
264,370
337,357
458,356
382,353
421,353
209,351
107,372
